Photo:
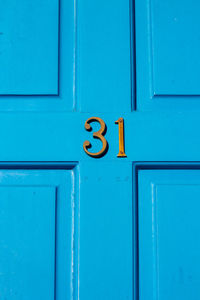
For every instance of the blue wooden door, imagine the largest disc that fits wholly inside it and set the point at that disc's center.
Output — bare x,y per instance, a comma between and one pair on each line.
74,226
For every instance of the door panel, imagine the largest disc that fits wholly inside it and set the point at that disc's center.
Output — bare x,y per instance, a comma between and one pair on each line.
27,31
169,227
175,46
27,247
35,230
37,55
167,51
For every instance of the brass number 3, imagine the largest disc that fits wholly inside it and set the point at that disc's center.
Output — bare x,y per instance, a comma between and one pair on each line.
97,135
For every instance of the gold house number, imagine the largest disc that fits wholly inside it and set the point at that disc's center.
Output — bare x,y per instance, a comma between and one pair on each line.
100,135
120,123
96,135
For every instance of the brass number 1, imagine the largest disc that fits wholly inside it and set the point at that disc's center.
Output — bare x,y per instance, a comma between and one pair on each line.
120,123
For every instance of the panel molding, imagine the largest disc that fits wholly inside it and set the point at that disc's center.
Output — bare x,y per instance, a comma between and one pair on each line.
146,99
168,203
72,209
136,167
65,99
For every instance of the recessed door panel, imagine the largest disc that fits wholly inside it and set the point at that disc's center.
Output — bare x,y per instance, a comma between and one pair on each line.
167,51
35,239
37,55
169,225
29,47
27,242
175,47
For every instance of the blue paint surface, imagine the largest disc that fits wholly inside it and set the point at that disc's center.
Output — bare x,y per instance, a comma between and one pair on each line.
74,227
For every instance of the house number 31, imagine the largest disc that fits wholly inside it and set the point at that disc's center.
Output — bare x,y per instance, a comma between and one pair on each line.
100,134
